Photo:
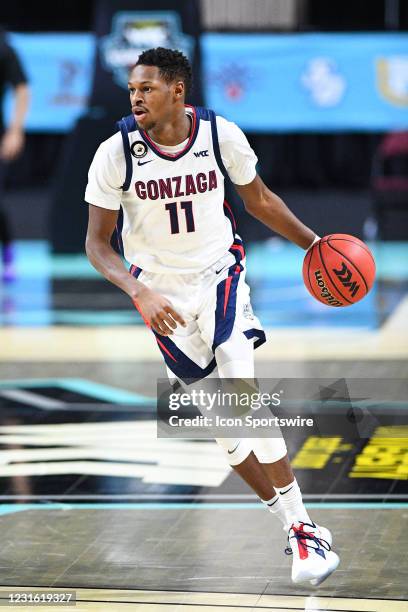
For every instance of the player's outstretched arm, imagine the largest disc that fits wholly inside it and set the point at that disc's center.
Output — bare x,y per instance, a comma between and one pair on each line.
266,206
156,310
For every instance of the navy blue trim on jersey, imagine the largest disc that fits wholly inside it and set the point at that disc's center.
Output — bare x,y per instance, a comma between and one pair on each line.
226,305
135,271
126,125
118,230
208,115
203,113
182,366
225,314
256,333
216,144
237,249
192,139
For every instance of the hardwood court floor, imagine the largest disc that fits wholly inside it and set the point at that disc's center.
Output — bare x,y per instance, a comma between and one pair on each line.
218,548
115,600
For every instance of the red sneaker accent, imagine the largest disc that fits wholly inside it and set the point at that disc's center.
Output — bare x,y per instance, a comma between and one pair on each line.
303,551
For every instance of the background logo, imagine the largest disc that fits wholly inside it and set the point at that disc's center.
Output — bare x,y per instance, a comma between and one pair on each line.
392,79
325,84
134,32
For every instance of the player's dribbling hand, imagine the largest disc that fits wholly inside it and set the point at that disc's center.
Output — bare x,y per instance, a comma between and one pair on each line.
157,312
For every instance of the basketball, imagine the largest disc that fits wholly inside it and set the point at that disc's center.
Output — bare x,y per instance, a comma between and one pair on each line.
339,270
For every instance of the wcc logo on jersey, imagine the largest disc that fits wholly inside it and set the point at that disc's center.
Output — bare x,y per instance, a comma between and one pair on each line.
135,31
201,153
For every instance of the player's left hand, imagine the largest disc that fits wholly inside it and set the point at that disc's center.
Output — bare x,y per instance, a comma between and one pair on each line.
11,144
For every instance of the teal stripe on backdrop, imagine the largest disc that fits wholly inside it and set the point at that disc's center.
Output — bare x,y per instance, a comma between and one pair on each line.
96,317
285,260
281,259
106,392
279,296
11,508
98,391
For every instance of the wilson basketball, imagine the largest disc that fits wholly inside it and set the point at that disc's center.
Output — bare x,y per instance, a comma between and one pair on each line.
339,270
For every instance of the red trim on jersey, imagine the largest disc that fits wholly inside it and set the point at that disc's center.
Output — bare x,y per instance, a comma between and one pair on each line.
234,223
190,138
227,292
166,350
239,248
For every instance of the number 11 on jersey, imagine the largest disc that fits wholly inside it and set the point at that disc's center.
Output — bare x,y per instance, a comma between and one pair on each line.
174,218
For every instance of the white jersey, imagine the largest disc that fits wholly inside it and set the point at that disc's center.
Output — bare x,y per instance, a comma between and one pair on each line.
175,219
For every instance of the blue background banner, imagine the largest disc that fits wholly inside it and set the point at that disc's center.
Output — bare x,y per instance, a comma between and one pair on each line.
316,82
263,82
59,68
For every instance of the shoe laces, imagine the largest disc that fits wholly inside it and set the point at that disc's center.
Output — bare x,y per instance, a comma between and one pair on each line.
301,536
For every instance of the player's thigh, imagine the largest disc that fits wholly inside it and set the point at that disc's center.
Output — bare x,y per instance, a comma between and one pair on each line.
185,353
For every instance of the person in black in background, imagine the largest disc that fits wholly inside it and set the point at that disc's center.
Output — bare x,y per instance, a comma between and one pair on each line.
11,137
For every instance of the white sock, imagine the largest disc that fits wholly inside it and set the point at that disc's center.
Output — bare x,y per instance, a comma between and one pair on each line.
292,503
274,505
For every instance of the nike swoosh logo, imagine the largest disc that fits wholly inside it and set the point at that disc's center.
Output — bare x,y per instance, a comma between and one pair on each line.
287,490
234,449
218,271
140,163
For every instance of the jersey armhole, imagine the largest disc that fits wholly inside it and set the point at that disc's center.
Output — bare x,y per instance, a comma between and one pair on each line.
126,125
216,144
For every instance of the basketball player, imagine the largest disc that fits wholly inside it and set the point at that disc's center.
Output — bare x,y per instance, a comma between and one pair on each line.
166,168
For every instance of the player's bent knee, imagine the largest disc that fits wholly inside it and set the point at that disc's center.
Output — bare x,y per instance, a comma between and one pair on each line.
236,450
269,450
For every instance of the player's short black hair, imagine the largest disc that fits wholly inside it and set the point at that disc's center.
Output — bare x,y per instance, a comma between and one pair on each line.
172,64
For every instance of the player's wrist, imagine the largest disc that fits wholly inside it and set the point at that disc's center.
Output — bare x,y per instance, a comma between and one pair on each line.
137,291
315,239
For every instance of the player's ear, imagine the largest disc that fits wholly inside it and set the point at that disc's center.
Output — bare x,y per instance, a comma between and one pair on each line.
179,90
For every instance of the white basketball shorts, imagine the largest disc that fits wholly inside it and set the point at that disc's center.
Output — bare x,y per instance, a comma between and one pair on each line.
213,303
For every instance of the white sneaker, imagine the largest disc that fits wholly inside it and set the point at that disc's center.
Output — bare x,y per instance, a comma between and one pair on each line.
313,558
325,534
327,537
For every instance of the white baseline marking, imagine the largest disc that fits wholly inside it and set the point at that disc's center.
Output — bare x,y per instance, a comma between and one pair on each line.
33,399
